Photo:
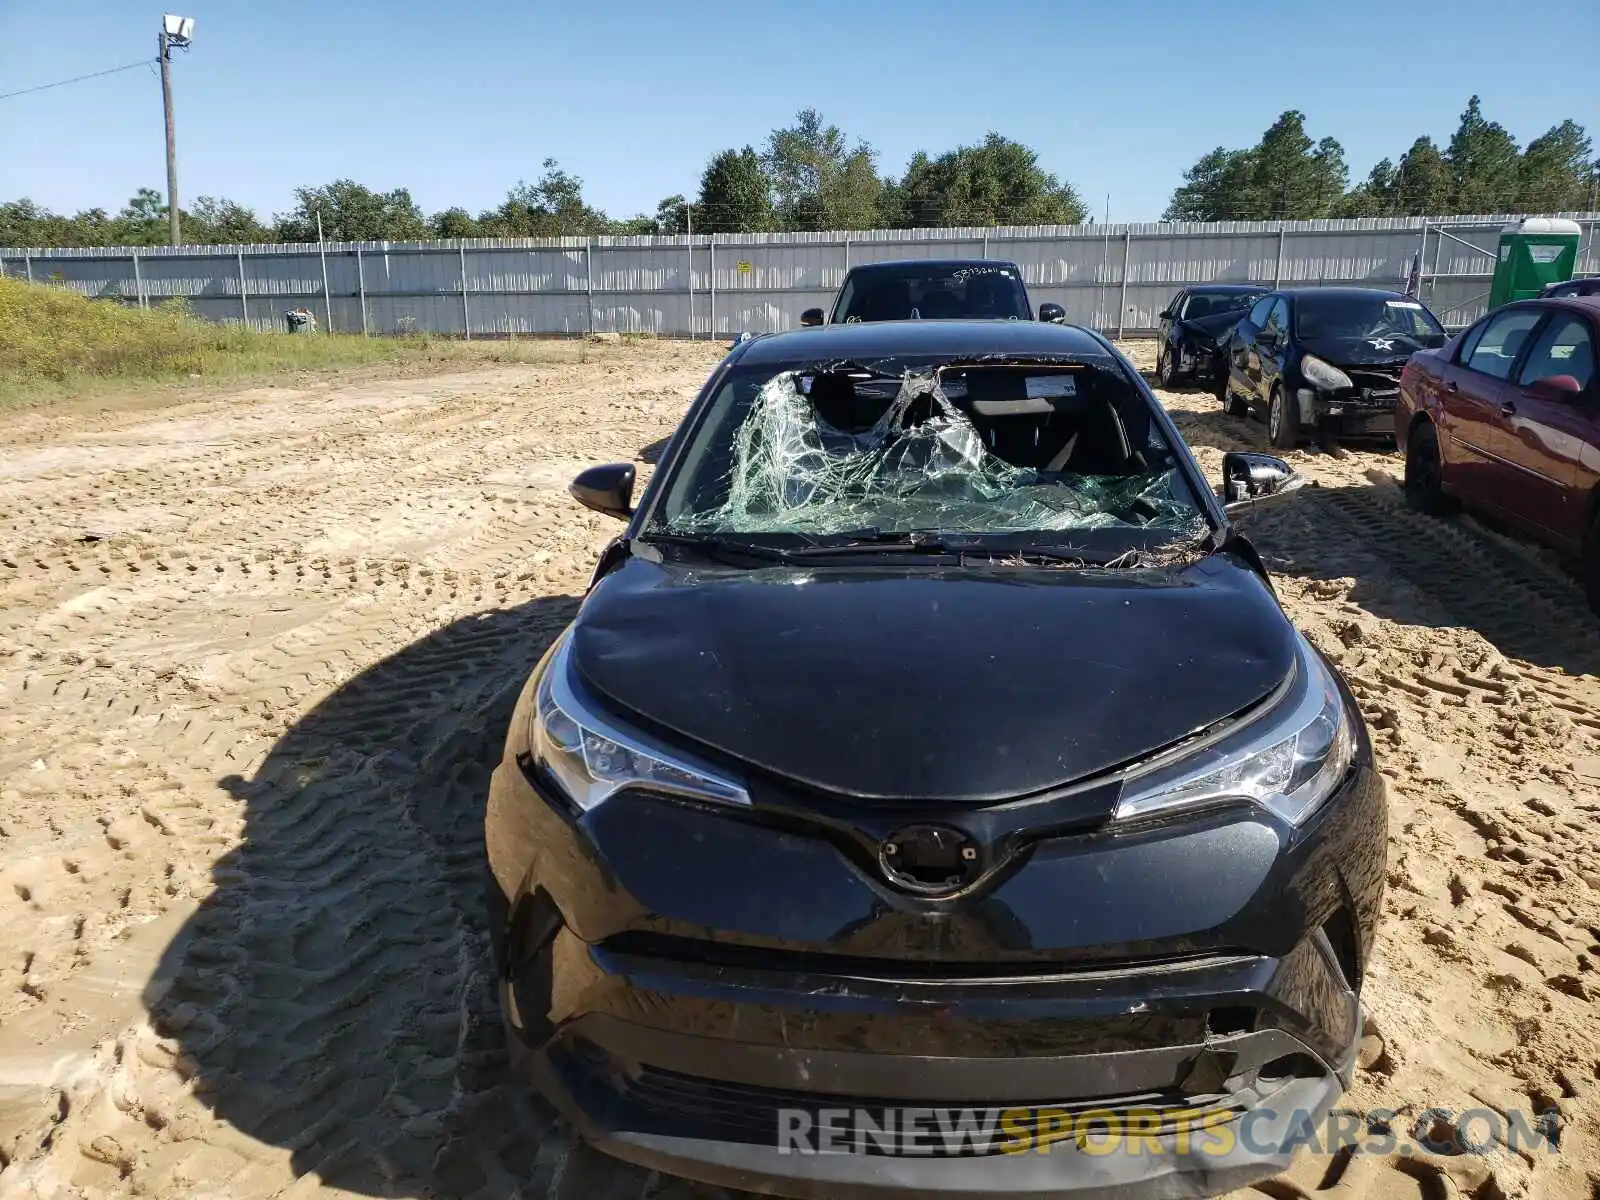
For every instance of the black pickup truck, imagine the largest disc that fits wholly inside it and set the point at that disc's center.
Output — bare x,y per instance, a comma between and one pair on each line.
931,289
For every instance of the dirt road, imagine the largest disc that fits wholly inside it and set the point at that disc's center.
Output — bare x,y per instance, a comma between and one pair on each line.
256,653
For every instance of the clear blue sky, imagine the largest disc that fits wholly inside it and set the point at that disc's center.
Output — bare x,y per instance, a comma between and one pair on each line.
459,101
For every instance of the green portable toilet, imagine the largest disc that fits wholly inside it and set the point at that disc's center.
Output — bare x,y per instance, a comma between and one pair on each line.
1537,251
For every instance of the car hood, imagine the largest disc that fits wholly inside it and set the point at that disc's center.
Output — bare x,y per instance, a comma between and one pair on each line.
927,684
1361,352
1214,325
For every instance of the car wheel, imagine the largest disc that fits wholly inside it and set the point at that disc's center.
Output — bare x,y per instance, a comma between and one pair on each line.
1231,405
1590,566
1283,421
1424,482
1163,367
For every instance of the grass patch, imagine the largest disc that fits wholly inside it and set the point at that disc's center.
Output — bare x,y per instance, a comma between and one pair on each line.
56,343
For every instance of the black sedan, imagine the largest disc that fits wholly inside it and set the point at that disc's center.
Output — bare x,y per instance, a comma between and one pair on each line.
930,788
1192,326
1324,362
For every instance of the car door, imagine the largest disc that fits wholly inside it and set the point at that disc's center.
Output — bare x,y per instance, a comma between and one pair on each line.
1250,334
1546,433
1239,341
1169,314
1474,388
1270,346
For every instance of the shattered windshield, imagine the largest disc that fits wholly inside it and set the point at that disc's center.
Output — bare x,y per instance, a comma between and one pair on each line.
980,290
977,449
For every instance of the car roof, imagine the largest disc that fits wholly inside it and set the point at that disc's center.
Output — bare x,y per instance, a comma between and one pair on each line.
887,339
940,264
1589,304
1295,293
1228,289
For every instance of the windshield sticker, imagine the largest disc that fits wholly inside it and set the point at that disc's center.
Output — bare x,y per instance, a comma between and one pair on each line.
966,273
1402,304
921,465
1050,385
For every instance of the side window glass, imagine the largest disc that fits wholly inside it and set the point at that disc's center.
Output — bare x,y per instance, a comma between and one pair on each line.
842,304
1278,318
1502,340
1258,314
1470,342
1564,348
1180,305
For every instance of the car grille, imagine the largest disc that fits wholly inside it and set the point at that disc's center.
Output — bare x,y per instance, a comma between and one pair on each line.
670,949
688,1105
1376,386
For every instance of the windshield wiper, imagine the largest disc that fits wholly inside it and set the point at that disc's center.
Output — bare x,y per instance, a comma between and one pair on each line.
869,542
720,548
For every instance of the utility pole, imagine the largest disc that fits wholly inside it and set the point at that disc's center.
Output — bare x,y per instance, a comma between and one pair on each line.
175,32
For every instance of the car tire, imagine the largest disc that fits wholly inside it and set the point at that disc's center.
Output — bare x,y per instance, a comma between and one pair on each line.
1589,565
1231,404
1424,478
1163,367
1283,420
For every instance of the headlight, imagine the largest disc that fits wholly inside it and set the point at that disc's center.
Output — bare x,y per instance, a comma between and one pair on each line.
1287,761
591,756
1323,375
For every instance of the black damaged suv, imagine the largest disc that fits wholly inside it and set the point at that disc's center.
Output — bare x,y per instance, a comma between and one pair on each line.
928,749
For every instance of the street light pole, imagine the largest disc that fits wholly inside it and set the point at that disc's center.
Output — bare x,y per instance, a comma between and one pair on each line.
173,229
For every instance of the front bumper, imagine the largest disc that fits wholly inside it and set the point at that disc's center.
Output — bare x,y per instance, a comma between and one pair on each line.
812,1144
678,1017
1347,415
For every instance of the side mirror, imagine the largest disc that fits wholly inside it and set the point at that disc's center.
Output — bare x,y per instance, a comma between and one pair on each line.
1053,314
1249,477
811,316
1164,315
1557,387
607,489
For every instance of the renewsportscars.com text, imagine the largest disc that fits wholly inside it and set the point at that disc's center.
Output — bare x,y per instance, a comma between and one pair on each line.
1213,1132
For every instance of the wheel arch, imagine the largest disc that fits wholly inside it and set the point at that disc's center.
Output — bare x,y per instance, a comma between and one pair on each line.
1418,419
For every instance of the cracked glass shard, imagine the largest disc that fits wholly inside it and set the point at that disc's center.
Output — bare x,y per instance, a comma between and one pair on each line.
921,466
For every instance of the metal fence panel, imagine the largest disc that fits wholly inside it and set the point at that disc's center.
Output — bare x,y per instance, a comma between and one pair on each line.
1116,278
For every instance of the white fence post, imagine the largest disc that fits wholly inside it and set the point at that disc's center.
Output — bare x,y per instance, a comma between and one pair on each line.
244,298
691,287
466,310
711,281
361,290
1277,272
588,271
27,265
327,300
1122,303
138,281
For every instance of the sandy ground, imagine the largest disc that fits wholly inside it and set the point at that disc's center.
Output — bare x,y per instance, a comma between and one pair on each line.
256,652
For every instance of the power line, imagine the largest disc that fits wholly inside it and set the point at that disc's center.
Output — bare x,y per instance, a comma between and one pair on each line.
75,79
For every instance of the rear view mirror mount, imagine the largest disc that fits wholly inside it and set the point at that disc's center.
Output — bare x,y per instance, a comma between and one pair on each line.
1248,478
606,489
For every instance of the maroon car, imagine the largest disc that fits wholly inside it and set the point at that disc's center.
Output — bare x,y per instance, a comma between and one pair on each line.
1505,417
